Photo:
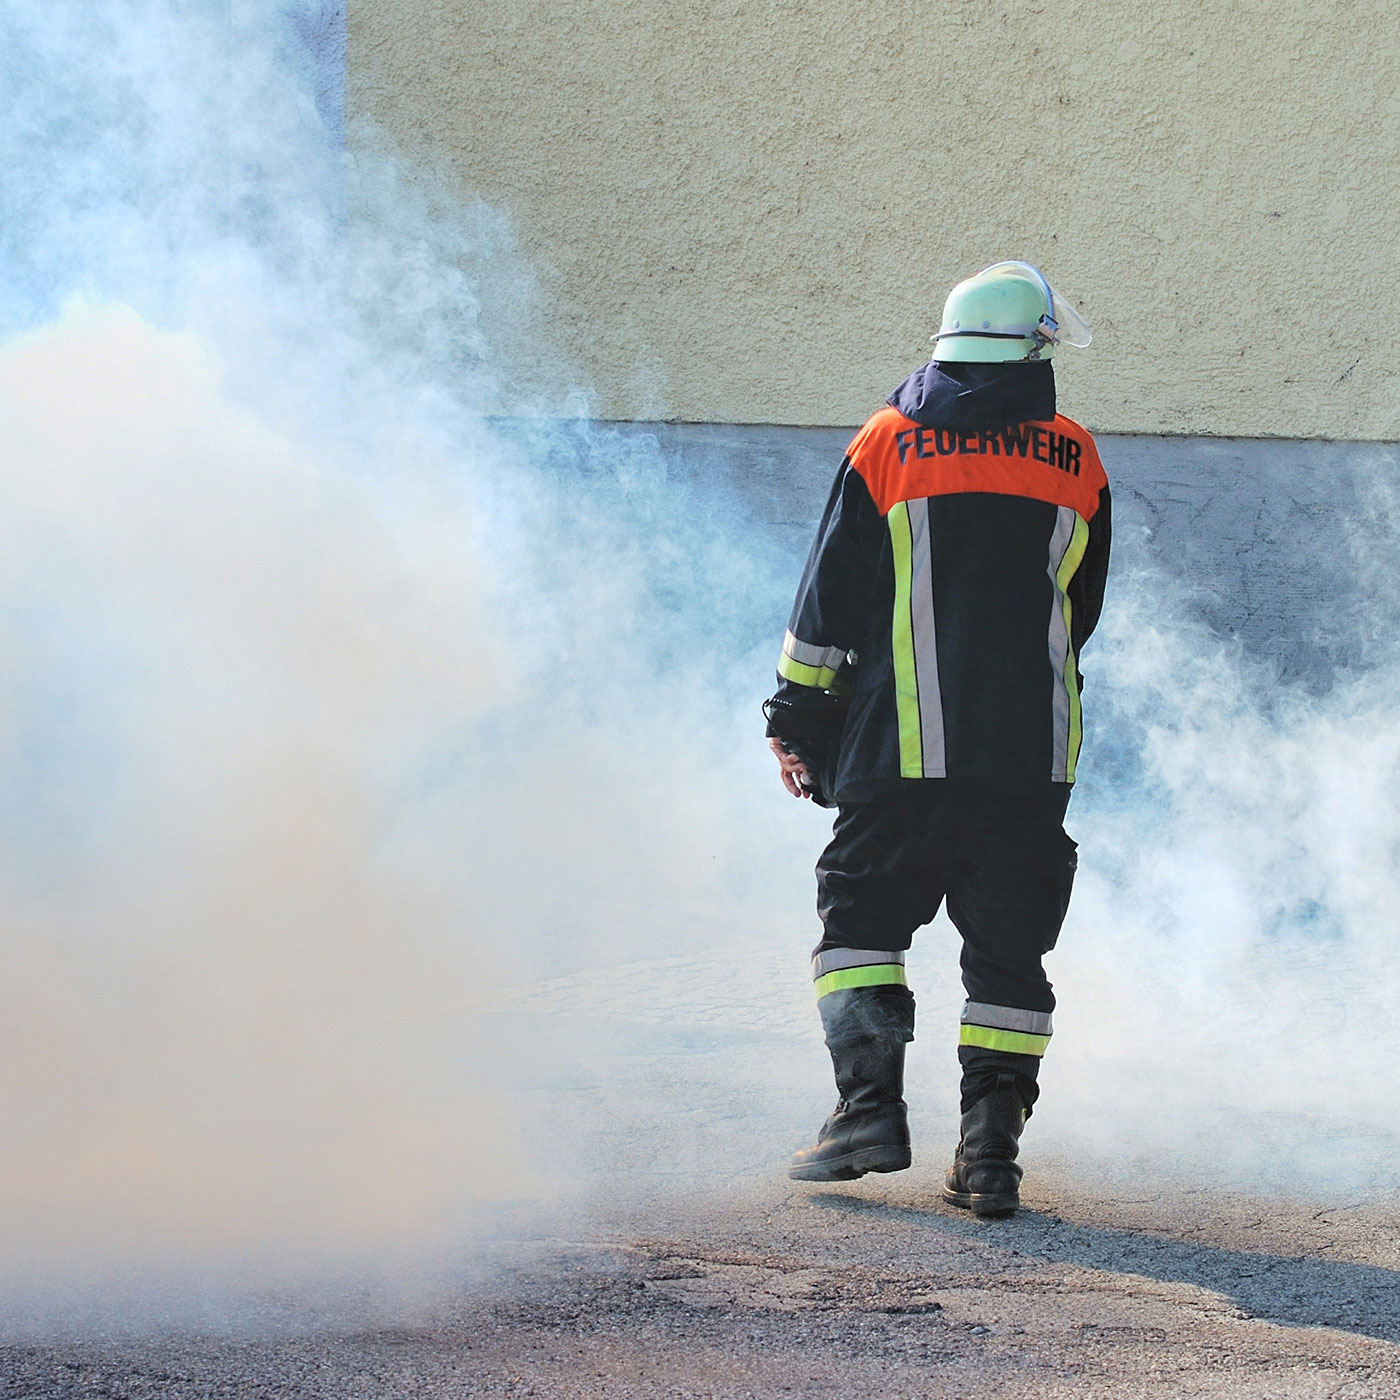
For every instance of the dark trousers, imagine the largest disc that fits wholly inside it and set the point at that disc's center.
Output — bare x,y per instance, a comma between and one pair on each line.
998,853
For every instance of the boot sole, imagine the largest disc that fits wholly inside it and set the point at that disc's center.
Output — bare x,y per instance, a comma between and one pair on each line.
989,1205
854,1164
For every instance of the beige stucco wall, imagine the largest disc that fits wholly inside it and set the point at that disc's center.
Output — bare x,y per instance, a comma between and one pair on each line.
749,210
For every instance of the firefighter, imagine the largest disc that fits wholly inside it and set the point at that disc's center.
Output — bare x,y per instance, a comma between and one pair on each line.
929,690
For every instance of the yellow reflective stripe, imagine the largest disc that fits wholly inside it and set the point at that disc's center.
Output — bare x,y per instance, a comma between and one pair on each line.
843,979
1016,1042
812,655
1069,566
820,676
906,678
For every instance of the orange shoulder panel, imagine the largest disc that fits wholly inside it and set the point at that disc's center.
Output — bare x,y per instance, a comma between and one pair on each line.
1050,461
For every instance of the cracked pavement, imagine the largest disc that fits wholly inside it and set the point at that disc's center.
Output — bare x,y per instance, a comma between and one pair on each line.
871,1287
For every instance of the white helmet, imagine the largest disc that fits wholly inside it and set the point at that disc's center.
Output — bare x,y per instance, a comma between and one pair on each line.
1008,311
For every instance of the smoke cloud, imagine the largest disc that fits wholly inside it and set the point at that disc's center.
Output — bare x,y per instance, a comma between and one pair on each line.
342,697
1230,955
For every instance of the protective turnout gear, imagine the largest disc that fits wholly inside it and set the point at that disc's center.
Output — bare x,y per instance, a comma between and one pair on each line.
868,1017
958,570
985,1177
1008,311
930,677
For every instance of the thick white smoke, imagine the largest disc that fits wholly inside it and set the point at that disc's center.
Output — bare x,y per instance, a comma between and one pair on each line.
386,829
1229,974
220,653
327,708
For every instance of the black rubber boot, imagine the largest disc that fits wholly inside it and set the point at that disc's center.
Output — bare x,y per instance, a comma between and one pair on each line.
866,1031
984,1177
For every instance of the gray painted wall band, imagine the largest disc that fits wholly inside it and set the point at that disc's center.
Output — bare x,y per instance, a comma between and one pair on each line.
1262,533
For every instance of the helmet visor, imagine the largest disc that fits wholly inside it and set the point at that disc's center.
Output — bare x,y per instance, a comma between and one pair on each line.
1073,329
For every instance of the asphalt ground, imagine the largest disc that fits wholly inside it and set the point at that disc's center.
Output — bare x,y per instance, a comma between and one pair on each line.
862,1289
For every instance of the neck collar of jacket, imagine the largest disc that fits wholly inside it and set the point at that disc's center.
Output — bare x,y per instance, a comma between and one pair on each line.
977,396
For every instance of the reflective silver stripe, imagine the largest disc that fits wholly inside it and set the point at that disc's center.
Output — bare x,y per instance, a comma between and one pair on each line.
1006,1018
835,959
925,633
1059,646
809,655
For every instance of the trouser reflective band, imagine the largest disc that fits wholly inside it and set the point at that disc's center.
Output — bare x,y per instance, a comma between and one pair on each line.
840,969
1006,1028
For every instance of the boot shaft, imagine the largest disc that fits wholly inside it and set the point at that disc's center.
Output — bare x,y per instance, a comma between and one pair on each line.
991,1128
867,1014
985,1176
867,1029
869,1073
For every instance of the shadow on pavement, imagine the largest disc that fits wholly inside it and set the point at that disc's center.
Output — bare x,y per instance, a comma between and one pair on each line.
1299,1291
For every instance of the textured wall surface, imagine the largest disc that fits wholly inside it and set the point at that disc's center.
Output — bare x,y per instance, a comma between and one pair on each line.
750,212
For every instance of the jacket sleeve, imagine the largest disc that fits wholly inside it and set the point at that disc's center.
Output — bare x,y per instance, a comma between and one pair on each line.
1087,587
829,616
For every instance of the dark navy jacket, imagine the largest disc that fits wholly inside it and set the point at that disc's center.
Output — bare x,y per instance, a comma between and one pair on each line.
957,572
